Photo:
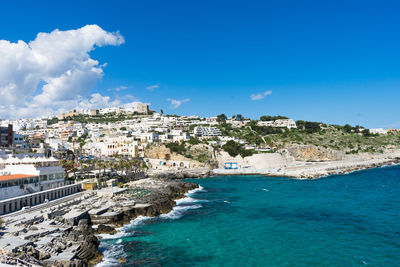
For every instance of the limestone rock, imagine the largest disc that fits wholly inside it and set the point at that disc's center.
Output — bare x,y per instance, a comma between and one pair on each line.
314,153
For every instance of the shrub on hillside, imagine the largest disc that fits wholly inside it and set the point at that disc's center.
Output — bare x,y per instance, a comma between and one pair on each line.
235,149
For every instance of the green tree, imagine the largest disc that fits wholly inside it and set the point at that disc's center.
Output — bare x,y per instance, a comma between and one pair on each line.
221,118
239,117
347,128
194,141
68,165
309,126
178,148
273,118
366,132
233,148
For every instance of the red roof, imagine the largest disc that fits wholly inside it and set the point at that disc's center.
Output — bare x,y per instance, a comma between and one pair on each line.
15,177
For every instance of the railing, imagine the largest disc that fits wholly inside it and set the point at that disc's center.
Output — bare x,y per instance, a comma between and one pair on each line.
15,261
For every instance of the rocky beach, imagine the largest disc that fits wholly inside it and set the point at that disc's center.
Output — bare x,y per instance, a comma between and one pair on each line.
66,233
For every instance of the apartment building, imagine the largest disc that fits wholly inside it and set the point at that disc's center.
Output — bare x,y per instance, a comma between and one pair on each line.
206,131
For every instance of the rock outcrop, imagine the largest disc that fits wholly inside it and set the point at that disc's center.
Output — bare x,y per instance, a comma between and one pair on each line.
162,152
256,161
314,153
182,174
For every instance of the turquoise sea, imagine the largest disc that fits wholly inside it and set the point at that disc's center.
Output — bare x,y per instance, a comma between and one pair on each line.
343,220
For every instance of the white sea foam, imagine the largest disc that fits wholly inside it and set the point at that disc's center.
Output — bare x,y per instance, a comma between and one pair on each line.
114,236
140,220
115,252
265,189
186,200
189,200
178,211
111,255
196,190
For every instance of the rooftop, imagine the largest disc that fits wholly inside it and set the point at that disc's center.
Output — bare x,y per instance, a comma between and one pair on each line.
15,177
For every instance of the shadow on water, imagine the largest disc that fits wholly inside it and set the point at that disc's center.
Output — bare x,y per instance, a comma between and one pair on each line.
155,254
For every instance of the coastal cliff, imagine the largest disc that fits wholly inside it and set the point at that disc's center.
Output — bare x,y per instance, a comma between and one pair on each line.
314,153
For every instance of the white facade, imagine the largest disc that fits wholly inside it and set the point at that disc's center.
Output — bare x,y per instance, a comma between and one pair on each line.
162,164
50,174
109,146
285,123
206,131
19,141
378,131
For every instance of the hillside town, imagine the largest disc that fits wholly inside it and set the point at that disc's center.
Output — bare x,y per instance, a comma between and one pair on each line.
62,174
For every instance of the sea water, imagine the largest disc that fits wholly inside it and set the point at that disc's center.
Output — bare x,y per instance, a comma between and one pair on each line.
343,220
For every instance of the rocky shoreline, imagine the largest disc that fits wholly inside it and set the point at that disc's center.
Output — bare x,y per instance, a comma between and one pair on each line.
161,200
337,168
313,170
67,235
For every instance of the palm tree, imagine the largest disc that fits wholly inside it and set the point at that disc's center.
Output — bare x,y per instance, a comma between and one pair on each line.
137,165
67,165
102,166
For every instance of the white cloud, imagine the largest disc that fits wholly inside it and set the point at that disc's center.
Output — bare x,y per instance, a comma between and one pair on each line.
121,88
152,87
54,72
177,103
260,95
98,101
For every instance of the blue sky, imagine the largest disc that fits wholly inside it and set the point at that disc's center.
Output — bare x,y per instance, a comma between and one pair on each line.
330,61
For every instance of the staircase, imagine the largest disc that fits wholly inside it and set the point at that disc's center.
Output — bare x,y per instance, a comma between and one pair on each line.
31,189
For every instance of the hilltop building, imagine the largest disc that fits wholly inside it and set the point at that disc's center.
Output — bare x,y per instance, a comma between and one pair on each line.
284,123
378,131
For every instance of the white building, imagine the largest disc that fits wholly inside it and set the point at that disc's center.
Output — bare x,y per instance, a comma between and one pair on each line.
42,174
285,123
19,141
378,131
206,131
